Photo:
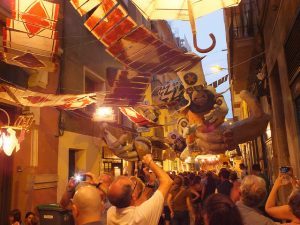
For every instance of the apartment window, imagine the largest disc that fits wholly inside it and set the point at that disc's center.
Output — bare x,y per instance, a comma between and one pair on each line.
93,82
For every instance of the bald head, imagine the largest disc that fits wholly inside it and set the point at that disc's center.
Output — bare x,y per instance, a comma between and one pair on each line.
120,191
88,199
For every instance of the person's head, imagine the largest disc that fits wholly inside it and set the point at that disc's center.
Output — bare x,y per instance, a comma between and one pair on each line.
106,179
196,183
14,216
220,210
256,168
294,203
87,204
253,190
235,193
233,176
28,218
224,174
178,181
122,191
140,186
242,166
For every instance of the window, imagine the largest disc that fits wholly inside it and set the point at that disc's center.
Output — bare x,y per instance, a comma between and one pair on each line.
92,83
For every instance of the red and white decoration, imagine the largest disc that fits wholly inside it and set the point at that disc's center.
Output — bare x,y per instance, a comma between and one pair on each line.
36,99
30,37
136,117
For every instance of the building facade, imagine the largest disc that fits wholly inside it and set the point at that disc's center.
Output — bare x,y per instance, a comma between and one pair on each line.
264,59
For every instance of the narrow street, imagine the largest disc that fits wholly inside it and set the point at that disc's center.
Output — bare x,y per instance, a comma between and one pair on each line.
167,108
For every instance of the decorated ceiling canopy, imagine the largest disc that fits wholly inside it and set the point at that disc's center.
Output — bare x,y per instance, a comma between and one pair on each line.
143,51
30,36
134,46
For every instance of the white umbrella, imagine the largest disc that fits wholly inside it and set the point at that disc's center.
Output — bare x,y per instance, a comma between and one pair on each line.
183,10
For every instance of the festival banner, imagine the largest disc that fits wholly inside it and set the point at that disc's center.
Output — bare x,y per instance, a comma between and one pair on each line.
36,99
136,117
220,81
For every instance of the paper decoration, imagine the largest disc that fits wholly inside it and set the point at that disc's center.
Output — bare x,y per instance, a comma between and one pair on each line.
178,9
109,22
31,29
84,6
171,91
36,99
135,47
30,38
216,83
12,38
193,76
136,117
143,51
127,87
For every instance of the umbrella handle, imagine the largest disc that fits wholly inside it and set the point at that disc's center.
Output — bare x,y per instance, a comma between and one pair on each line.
211,47
193,26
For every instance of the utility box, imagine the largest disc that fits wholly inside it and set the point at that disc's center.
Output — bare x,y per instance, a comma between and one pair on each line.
53,214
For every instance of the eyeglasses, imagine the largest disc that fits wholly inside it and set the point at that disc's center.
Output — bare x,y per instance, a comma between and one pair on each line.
190,90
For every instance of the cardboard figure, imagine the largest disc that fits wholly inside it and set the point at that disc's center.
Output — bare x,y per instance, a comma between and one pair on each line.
124,148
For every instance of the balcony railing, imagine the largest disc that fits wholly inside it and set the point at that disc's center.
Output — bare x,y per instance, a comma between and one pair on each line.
244,20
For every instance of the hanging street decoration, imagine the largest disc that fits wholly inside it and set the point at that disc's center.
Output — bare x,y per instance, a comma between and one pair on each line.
183,10
127,87
36,99
30,36
220,81
137,118
126,148
134,46
30,40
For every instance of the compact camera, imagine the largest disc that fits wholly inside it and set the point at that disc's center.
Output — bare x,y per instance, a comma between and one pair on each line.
284,169
79,177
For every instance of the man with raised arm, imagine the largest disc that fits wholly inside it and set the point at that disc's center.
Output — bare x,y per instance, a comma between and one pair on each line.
122,195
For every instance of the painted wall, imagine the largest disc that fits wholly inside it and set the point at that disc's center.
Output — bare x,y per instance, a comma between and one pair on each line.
89,158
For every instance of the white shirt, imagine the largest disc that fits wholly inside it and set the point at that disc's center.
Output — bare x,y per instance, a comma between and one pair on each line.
147,213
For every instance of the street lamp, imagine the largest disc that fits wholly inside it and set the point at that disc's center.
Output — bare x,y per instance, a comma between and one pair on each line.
104,114
217,68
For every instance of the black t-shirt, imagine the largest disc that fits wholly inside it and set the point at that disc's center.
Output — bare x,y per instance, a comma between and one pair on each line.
225,187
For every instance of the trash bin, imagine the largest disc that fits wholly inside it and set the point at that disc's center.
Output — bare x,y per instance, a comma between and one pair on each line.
53,214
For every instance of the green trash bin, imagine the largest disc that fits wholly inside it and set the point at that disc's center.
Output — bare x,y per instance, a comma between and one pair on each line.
53,214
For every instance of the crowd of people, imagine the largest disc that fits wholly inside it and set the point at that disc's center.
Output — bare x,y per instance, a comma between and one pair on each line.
156,197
